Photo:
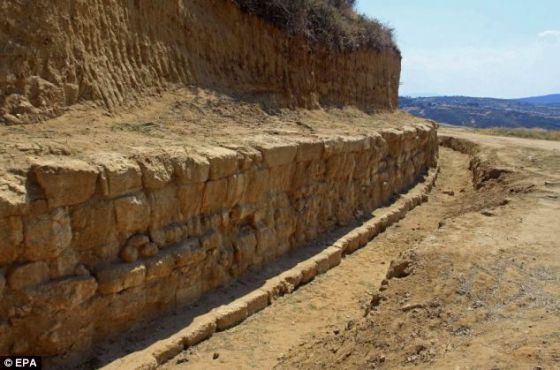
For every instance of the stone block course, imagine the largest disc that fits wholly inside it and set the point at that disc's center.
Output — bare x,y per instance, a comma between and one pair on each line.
132,214
159,229
47,235
28,275
11,238
65,181
119,175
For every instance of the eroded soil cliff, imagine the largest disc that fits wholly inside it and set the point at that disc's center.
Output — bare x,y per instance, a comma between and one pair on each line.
110,52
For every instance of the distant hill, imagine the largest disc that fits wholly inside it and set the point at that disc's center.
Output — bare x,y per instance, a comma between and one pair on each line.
542,100
534,112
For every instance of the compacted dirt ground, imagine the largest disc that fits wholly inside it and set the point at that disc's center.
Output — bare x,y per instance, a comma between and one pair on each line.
474,283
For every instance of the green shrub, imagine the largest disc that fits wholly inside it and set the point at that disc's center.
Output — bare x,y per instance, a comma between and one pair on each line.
331,23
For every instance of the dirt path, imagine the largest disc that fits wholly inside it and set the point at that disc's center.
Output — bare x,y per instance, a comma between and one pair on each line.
482,292
329,302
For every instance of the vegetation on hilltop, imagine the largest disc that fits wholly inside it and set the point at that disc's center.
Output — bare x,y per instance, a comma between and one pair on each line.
332,23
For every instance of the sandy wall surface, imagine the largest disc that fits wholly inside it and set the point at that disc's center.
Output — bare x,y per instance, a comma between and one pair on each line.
110,52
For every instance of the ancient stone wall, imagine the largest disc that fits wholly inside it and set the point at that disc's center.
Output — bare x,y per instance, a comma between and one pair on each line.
55,54
93,245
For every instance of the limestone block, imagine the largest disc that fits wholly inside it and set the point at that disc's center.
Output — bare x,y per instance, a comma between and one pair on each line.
190,168
266,241
118,277
188,294
309,150
285,229
187,253
242,212
157,169
2,284
334,256
119,175
355,144
281,177
129,254
373,229
231,315
105,253
202,328
333,146
13,195
245,245
164,204
57,333
301,179
148,250
194,226
293,279
378,145
93,225
340,166
166,349
211,241
277,153
65,181
159,267
215,195
65,264
123,308
249,156
322,262
410,138
28,275
309,270
276,287
316,170
63,294
223,161
363,235
169,234
226,254
258,184
256,301
189,285
47,235
132,214
364,165
137,241
160,295
190,199
353,241
237,186
393,138
11,237
213,220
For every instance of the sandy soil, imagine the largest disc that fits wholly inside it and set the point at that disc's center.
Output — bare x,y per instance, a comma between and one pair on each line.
482,289
186,117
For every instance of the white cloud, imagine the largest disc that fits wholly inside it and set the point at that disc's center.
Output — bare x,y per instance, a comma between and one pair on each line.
550,35
515,71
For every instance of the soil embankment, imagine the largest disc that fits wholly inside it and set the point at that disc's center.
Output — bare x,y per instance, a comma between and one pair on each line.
112,52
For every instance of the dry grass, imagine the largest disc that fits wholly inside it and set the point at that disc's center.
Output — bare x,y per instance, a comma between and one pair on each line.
541,134
331,23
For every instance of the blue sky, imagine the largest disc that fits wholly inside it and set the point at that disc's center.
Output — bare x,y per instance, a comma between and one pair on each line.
497,48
